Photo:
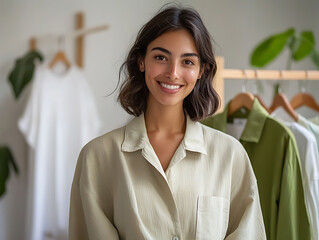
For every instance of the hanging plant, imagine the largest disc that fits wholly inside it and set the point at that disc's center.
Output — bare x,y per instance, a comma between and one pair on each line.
6,162
23,71
300,46
19,78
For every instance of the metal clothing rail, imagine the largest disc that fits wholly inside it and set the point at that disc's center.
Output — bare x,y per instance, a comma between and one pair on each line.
249,74
78,33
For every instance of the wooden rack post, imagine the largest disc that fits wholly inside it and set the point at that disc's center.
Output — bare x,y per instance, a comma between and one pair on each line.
79,18
222,74
33,44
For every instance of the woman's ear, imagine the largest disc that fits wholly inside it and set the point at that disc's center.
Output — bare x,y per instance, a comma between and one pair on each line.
201,71
141,64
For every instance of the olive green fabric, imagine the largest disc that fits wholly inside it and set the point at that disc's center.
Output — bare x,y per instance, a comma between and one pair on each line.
275,159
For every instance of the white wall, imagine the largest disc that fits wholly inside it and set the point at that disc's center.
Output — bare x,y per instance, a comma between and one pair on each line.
235,25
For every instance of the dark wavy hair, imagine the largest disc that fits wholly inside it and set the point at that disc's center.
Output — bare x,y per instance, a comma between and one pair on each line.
203,101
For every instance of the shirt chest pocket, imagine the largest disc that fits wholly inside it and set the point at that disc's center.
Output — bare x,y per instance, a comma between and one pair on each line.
212,218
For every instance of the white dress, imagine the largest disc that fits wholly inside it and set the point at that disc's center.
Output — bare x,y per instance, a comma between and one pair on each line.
59,119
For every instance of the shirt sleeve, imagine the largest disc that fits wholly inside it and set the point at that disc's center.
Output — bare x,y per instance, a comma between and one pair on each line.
245,217
29,122
88,219
293,222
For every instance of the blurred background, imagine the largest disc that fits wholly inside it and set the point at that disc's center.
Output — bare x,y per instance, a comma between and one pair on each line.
236,27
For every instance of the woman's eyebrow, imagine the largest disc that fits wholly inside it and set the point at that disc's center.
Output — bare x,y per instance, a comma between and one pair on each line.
162,50
169,53
190,55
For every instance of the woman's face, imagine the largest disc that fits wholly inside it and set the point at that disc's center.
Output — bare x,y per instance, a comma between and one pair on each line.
172,67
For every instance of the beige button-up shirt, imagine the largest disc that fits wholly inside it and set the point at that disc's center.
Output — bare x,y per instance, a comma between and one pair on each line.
208,191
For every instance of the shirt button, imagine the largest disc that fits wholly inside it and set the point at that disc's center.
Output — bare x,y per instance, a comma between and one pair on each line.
175,238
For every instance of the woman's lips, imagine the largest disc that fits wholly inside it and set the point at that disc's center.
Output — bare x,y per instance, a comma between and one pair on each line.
170,88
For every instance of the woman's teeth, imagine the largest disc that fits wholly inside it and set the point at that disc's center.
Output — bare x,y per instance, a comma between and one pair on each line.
170,86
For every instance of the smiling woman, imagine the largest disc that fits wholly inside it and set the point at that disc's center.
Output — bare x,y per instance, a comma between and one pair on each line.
202,100
164,175
171,72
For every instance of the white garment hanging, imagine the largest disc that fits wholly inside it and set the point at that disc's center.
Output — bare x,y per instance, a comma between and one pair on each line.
313,128
59,119
309,159
314,120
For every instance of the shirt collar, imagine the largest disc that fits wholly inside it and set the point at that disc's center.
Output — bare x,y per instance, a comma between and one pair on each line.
194,137
136,138
255,122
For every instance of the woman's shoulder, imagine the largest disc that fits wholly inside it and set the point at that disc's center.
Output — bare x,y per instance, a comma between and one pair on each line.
109,140
222,144
213,135
227,149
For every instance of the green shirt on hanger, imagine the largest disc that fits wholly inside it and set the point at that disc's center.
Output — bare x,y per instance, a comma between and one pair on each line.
275,159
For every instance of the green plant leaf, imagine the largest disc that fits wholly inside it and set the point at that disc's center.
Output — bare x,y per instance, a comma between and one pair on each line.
270,48
315,58
6,159
303,45
22,72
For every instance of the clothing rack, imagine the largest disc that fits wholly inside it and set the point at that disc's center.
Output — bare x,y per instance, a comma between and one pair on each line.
78,33
249,74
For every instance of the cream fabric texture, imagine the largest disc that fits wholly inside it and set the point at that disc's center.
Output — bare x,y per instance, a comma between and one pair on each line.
208,191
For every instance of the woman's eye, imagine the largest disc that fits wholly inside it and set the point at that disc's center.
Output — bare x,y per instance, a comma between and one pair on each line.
161,58
188,62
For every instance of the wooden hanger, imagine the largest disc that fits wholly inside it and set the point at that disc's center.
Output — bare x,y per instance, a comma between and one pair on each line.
262,103
60,57
244,99
304,99
280,100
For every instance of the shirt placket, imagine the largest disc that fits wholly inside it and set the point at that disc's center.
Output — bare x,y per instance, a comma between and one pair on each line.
149,154
179,155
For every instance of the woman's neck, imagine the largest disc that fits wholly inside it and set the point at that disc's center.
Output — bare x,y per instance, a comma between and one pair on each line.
168,119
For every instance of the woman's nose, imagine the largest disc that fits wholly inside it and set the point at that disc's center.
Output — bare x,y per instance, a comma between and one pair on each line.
172,71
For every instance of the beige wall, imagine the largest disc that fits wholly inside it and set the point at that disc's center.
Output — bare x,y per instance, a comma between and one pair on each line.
235,25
